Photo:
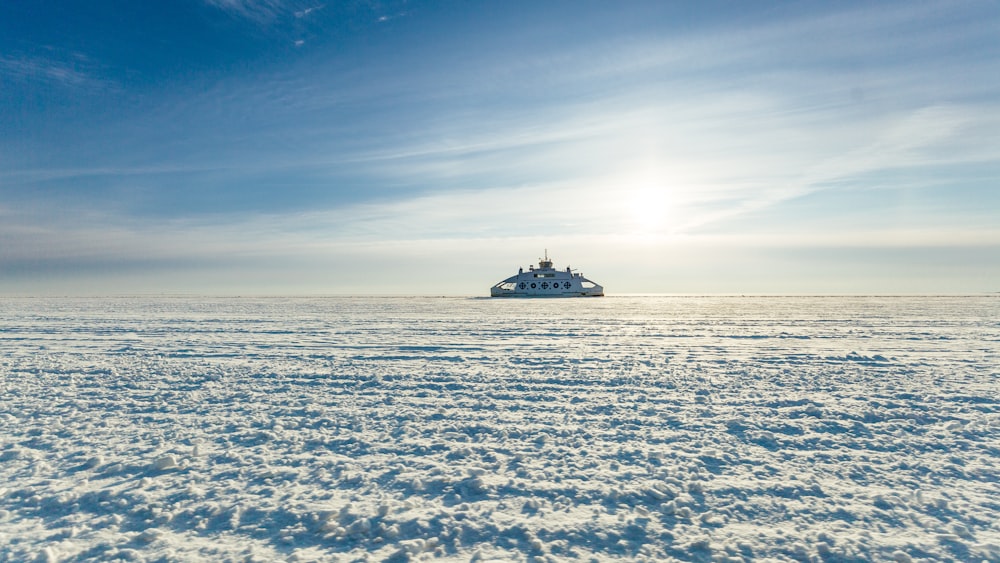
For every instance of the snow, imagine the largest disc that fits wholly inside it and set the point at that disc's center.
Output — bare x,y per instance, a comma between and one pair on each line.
467,429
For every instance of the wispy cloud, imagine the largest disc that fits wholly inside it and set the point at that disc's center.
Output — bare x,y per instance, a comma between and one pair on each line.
917,139
73,70
305,12
255,10
268,11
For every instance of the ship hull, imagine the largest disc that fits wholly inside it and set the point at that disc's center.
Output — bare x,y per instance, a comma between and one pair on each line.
502,293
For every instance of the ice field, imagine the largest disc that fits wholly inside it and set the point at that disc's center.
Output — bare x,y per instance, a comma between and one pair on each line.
477,429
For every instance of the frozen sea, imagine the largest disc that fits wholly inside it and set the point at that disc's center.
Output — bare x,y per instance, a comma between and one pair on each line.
477,429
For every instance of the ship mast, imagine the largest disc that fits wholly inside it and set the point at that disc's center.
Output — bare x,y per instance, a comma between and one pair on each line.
545,262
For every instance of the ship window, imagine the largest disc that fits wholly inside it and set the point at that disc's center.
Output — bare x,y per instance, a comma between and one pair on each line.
545,275
566,285
524,285
533,285
545,285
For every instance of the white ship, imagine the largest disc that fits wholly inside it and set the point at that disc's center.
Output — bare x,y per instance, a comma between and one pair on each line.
546,281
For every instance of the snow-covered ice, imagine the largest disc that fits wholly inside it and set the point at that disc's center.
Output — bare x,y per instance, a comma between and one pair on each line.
466,429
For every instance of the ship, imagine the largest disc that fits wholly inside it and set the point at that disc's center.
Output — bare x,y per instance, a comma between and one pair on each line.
546,281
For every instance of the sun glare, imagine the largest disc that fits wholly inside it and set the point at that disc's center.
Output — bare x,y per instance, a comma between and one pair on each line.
649,209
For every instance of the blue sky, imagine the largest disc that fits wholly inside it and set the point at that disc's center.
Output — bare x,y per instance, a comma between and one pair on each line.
286,147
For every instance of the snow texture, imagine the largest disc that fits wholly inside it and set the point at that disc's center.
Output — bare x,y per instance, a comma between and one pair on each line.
464,429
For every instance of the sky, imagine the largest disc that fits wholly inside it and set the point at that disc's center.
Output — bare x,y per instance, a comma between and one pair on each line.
285,147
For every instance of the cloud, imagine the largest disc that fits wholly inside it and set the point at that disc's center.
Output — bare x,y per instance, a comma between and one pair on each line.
254,10
720,157
268,11
309,10
73,70
916,139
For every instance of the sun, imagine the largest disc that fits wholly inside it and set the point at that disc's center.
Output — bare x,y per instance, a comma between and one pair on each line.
648,209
